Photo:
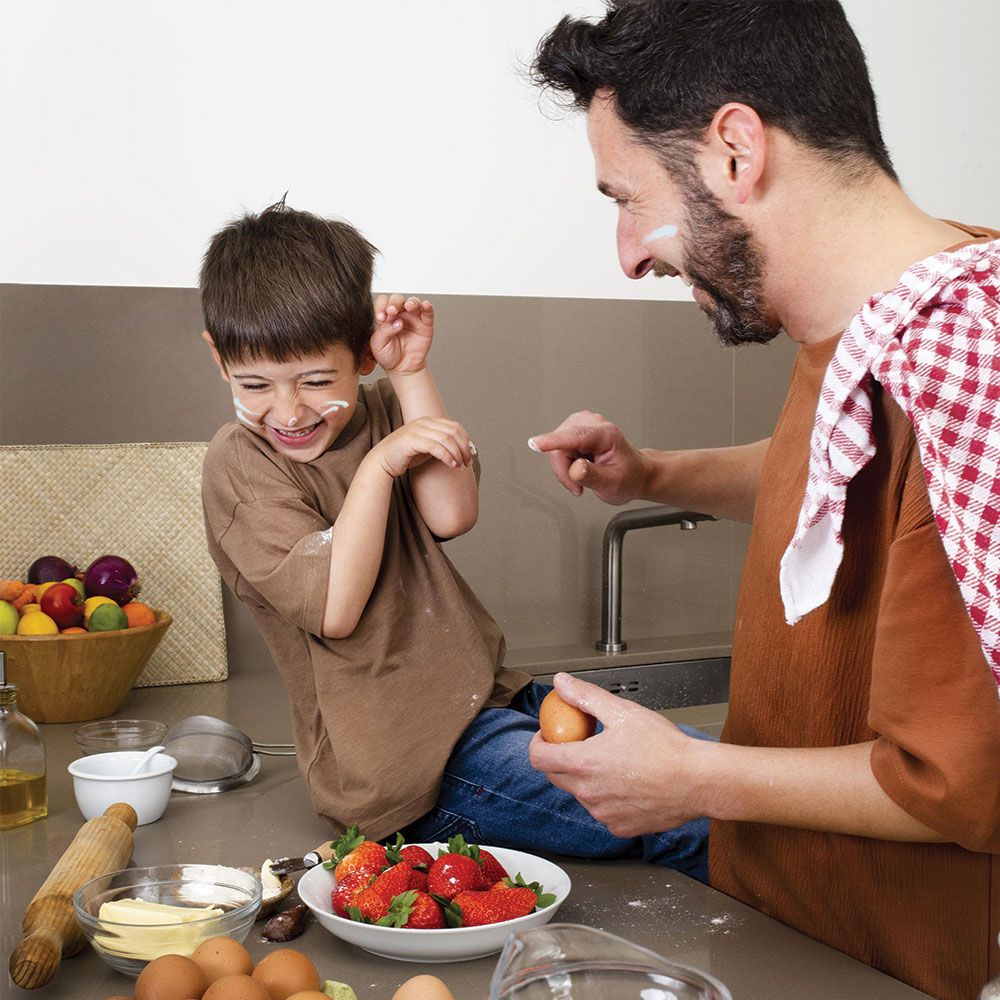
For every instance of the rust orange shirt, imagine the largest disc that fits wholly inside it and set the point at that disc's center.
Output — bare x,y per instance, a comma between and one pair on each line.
892,657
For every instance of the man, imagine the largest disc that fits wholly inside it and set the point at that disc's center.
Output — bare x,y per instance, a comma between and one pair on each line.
856,791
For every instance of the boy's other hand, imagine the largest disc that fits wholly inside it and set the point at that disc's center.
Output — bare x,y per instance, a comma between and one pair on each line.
404,328
588,451
422,439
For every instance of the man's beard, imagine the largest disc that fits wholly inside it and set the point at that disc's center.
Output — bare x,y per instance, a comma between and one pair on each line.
720,258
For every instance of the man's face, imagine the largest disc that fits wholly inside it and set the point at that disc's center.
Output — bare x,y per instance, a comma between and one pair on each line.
679,229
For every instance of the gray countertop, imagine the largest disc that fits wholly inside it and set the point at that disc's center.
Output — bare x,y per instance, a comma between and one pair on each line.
271,817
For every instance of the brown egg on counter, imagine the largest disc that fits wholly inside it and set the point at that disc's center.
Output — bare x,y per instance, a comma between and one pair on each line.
423,988
170,977
222,956
238,986
309,995
563,723
286,971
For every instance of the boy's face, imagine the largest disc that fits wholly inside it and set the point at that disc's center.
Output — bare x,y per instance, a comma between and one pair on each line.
299,407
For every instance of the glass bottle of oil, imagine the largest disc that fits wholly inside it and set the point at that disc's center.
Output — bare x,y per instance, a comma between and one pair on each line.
22,762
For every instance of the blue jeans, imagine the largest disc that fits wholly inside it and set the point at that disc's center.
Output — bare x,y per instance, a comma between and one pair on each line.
492,795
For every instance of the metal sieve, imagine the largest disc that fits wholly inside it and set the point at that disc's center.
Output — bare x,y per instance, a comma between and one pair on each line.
213,755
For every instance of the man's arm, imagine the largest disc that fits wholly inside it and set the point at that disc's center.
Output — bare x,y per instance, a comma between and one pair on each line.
674,778
589,452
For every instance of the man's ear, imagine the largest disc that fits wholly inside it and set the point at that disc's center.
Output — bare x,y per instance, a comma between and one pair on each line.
367,364
215,354
736,151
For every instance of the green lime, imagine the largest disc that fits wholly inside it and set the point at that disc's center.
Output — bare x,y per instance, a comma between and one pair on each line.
8,618
107,618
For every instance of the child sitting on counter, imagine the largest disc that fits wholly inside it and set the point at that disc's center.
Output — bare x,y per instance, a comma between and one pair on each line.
325,503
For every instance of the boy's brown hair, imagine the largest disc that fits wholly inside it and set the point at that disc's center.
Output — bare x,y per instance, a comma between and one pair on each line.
285,284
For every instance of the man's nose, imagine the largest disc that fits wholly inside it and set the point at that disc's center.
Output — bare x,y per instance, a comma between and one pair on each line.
634,258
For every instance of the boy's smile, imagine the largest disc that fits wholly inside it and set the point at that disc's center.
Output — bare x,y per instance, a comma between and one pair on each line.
301,406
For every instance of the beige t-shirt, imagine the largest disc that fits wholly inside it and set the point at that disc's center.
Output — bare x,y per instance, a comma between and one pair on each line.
892,657
375,715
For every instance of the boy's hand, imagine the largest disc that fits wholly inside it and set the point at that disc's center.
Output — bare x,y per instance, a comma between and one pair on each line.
404,328
422,439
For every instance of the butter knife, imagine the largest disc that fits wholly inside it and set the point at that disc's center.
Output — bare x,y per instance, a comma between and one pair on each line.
285,866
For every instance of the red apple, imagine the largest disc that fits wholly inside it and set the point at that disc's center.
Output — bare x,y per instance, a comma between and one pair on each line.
62,604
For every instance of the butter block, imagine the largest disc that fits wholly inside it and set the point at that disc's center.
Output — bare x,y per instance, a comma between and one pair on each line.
155,928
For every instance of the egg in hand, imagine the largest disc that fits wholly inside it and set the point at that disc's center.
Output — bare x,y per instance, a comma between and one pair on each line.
561,722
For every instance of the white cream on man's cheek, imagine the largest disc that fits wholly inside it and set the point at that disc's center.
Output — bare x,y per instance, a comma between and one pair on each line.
667,231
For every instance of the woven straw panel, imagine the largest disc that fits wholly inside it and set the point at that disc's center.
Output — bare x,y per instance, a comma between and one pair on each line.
138,501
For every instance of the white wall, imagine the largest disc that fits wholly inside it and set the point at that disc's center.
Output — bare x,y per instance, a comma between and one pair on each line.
131,131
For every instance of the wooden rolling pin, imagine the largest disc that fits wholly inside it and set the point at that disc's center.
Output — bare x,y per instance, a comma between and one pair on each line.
102,845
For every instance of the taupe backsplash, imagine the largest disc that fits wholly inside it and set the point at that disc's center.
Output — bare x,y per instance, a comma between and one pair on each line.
84,364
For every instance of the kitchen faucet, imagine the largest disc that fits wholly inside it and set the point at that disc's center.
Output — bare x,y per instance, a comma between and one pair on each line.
611,562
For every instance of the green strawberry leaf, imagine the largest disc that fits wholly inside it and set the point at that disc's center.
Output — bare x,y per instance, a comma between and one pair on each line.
452,913
353,913
392,854
351,838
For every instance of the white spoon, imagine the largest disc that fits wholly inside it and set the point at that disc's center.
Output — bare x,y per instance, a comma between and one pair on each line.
141,764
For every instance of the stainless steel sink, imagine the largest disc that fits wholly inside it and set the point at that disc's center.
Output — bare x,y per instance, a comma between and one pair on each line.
663,685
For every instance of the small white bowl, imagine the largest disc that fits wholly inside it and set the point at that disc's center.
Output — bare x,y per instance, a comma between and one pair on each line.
103,779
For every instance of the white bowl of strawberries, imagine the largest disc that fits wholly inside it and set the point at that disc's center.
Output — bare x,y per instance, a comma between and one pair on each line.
433,902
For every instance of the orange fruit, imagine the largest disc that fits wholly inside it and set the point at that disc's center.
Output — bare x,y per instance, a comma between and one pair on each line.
37,623
138,613
72,630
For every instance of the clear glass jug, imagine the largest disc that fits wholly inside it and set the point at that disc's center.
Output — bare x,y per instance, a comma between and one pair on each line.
574,962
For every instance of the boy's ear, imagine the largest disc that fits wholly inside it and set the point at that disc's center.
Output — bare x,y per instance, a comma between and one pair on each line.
215,354
367,364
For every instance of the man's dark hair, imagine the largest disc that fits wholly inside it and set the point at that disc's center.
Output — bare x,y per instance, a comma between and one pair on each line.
285,284
671,64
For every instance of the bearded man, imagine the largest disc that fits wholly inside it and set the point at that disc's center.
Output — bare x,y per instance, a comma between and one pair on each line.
856,792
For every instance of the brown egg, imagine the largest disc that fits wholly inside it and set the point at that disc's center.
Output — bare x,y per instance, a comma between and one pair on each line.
238,986
286,971
562,723
222,956
423,988
170,977
309,995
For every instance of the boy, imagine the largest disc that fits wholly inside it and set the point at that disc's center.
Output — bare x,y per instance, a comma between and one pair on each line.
324,503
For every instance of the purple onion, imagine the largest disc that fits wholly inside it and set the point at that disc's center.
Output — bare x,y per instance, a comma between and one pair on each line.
47,569
111,576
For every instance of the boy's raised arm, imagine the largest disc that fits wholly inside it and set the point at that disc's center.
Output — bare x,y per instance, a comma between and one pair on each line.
445,491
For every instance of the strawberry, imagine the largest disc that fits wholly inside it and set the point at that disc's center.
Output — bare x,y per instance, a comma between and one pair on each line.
491,906
373,901
493,871
451,874
416,910
416,855
345,890
352,852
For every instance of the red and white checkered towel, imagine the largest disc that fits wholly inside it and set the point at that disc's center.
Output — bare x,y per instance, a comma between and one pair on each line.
933,342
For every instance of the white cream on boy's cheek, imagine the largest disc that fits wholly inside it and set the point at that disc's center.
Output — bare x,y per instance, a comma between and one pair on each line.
246,415
333,404
663,232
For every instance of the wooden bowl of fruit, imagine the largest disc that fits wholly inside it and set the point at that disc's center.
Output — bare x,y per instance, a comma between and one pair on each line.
75,655
79,676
